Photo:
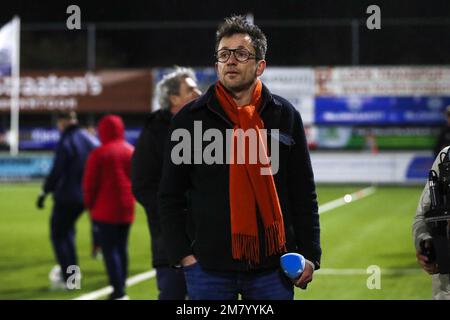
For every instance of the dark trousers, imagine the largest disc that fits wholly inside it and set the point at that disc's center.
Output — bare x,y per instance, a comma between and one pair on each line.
114,242
62,234
95,236
171,283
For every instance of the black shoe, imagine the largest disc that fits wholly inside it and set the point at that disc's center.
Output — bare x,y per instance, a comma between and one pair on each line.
115,296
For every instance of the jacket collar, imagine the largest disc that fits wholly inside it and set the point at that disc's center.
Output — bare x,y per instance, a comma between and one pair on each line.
209,100
165,115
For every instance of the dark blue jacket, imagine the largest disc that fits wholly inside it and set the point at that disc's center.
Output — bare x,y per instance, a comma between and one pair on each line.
64,180
205,229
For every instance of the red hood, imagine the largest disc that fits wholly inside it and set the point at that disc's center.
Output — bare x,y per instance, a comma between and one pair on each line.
111,128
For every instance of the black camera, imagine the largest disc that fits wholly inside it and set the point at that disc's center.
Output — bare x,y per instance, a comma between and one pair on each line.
437,218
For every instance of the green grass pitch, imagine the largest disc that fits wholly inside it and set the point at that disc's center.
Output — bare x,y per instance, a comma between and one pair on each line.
375,230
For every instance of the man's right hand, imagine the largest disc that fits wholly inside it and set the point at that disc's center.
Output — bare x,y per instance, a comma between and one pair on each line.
429,267
305,278
188,260
40,201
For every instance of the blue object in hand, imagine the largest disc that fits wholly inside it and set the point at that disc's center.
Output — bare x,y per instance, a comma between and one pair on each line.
292,264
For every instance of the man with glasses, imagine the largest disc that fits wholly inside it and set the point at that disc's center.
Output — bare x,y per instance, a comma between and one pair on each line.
239,221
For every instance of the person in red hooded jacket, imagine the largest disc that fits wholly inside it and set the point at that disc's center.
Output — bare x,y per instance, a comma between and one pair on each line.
107,195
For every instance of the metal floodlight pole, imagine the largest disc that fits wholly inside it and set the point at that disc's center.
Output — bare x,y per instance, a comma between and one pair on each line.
15,89
355,41
91,46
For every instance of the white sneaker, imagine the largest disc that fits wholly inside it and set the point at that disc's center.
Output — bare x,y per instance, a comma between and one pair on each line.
55,274
123,298
56,280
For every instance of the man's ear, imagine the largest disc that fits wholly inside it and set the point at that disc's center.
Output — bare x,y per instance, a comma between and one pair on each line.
216,67
260,67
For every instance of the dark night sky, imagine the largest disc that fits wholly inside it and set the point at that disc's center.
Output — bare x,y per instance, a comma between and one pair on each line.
162,10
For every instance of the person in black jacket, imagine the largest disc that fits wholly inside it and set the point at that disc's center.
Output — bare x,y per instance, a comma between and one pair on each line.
64,181
242,215
173,92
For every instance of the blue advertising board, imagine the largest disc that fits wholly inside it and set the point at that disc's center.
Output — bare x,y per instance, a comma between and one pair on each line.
24,167
364,110
42,138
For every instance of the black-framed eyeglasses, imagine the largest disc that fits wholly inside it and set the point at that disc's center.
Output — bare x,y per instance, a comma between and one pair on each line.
241,55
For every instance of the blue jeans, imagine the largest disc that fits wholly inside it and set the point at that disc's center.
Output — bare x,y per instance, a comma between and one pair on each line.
171,283
212,285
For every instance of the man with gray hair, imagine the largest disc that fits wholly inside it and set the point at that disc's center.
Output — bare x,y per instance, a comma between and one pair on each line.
173,92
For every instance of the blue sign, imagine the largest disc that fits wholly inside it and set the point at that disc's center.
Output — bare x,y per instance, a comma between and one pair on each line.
419,168
38,138
24,167
46,138
363,110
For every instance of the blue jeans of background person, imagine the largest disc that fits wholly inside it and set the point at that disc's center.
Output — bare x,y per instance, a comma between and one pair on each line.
171,284
114,242
62,234
211,285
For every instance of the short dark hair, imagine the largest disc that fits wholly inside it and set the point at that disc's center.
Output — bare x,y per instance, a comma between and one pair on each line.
66,115
239,24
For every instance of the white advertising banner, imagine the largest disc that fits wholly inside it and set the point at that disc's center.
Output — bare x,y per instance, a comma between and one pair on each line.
364,167
383,81
296,85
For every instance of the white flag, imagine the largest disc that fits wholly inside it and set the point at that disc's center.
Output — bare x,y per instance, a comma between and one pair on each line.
7,48
10,66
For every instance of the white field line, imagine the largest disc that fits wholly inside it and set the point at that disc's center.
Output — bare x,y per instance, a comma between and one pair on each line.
107,290
324,208
384,271
346,199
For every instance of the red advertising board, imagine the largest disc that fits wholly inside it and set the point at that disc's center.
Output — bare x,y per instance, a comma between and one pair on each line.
120,90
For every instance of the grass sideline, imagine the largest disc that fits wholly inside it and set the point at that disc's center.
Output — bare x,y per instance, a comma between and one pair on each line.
375,230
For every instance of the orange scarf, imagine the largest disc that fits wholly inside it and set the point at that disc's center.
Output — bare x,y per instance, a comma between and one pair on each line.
248,187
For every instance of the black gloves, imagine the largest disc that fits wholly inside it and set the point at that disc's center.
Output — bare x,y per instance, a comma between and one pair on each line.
40,200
